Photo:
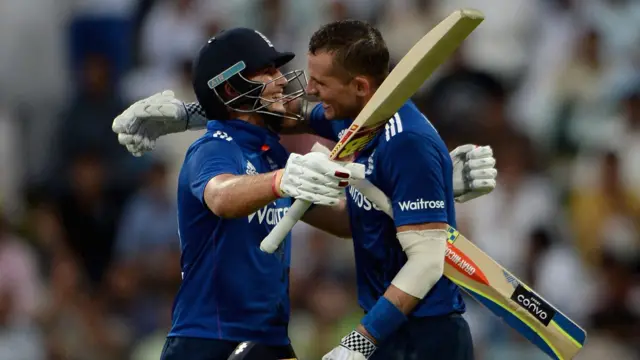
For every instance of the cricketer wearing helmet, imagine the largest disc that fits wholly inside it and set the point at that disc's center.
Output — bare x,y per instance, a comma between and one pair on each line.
235,183
411,310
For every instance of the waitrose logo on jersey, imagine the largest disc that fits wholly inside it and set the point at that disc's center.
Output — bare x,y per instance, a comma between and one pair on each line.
421,204
269,215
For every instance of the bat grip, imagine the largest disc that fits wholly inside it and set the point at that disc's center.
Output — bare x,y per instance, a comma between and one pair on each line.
270,243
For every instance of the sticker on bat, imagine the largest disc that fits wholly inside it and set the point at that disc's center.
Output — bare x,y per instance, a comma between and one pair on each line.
537,307
464,264
510,278
359,140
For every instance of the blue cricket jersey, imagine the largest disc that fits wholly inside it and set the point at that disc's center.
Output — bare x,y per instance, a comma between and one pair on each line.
230,289
410,163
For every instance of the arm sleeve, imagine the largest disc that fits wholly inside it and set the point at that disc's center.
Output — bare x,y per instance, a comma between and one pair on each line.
210,159
328,129
414,179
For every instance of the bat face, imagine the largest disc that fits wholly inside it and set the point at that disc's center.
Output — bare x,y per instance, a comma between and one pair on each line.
512,300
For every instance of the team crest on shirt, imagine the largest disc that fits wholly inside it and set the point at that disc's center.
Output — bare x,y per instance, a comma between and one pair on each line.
251,170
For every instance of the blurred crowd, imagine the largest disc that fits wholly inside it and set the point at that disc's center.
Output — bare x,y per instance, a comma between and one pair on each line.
89,254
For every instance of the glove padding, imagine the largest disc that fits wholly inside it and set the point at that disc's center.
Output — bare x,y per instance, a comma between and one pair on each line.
474,172
315,178
146,120
354,346
342,353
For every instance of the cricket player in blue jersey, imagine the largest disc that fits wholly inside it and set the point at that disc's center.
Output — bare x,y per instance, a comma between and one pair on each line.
236,182
412,311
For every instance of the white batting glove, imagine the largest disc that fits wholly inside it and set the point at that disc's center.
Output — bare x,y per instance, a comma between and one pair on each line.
354,346
474,172
146,120
315,178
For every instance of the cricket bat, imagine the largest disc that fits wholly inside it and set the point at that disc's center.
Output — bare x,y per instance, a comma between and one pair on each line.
403,81
499,291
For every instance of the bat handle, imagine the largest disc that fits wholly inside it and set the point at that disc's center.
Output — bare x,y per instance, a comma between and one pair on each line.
270,243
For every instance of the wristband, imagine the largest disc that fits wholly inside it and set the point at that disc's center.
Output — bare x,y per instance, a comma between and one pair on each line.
196,117
358,342
274,188
383,319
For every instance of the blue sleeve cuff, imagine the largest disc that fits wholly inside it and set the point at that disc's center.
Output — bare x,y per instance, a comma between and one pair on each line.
383,319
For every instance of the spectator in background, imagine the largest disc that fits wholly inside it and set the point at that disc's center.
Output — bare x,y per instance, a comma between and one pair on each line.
615,321
523,201
618,21
605,217
173,31
468,106
581,92
146,268
88,213
501,46
629,135
147,231
85,126
20,296
102,26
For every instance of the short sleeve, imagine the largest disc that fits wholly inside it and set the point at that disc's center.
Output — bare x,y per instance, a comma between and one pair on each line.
414,179
328,129
210,159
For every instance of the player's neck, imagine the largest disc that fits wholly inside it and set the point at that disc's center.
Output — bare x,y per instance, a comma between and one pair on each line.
251,118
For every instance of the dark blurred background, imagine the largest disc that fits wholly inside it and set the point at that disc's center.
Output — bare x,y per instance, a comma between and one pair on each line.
89,255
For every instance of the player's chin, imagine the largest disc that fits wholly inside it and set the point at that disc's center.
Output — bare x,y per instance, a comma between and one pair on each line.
329,112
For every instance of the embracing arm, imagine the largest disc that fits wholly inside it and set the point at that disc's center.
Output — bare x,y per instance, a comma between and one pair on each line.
311,177
232,196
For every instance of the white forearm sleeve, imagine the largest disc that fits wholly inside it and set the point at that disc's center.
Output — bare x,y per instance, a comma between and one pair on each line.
425,251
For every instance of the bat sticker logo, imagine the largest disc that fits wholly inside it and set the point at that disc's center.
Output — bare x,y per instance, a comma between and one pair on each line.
510,278
464,264
537,307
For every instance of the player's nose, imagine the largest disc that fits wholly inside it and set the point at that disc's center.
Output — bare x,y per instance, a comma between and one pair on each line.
311,90
281,80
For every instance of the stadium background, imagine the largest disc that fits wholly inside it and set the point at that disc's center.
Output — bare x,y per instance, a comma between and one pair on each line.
88,249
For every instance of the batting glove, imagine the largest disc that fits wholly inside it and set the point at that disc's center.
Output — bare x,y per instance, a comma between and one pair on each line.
315,178
146,120
354,346
474,172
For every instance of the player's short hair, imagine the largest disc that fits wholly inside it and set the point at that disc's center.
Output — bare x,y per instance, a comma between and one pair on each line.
357,46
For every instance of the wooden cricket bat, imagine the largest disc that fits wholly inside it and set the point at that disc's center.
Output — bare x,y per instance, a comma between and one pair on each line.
499,291
403,81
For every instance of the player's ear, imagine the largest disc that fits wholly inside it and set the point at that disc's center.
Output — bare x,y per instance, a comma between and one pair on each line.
230,91
362,86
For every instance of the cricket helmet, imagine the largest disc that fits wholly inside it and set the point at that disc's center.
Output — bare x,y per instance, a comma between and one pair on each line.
226,59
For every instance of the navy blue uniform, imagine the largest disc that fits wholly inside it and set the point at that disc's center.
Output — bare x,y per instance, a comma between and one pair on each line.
231,291
410,163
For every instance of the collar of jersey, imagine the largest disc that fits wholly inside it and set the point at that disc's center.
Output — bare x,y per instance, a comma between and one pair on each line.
245,134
